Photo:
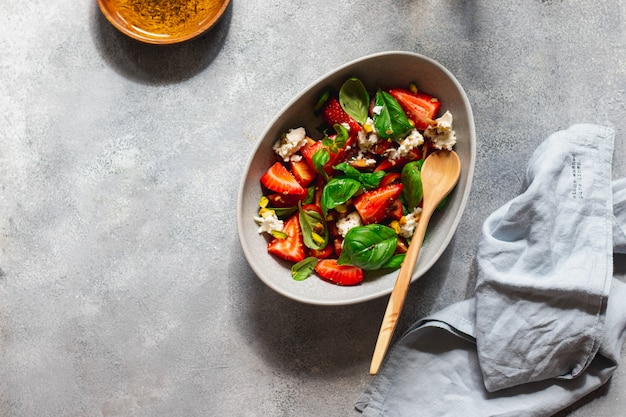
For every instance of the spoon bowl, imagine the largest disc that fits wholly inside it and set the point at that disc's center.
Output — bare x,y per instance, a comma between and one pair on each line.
440,174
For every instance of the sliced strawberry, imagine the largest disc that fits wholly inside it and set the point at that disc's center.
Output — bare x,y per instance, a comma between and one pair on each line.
373,205
309,150
323,253
303,172
339,274
420,107
333,113
395,210
285,200
335,158
292,247
391,178
279,180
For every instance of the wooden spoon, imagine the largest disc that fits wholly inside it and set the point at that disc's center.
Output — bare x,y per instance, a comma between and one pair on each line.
440,173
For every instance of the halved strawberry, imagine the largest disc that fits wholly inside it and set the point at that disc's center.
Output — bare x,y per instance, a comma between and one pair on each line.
333,113
303,172
279,180
339,274
420,107
373,205
292,247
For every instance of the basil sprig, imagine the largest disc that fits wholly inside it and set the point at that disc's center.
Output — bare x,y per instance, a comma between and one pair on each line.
370,180
369,247
339,141
354,99
411,178
303,269
391,121
314,228
338,191
320,159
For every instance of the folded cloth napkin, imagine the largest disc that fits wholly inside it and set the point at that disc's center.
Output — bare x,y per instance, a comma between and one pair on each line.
546,324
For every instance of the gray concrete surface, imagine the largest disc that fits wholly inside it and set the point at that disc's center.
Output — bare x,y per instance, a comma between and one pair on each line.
123,288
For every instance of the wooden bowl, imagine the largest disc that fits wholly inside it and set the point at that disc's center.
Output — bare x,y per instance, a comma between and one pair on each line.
163,21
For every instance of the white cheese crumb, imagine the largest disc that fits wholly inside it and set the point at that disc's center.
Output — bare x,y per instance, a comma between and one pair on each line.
441,134
344,224
268,221
408,223
290,143
367,141
377,109
406,145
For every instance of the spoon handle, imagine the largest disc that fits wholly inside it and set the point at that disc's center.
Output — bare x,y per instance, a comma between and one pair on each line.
398,294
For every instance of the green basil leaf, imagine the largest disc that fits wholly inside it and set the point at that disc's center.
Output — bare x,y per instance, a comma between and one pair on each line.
342,135
314,229
283,212
338,191
369,247
303,269
412,191
320,159
370,180
391,122
354,99
321,101
395,262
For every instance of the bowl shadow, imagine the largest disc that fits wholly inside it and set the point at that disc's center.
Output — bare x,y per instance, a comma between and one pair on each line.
157,64
317,341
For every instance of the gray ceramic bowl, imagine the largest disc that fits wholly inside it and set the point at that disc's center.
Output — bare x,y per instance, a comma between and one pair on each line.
384,70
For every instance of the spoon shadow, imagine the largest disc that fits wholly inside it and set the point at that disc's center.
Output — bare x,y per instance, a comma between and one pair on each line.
157,64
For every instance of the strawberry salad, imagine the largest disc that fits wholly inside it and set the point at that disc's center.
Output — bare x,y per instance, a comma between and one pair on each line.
349,202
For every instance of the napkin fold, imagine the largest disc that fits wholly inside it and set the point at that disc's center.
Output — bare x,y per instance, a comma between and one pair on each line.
546,324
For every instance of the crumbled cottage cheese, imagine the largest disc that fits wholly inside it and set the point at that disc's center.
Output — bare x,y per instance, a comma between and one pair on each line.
409,222
344,224
268,221
367,140
290,143
406,145
441,133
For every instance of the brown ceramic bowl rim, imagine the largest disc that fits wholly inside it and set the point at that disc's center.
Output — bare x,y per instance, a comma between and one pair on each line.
122,26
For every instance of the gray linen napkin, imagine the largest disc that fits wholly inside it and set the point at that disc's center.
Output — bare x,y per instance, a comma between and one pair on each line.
546,325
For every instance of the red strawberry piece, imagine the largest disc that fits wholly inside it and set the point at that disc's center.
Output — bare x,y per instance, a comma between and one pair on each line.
292,247
333,113
373,205
339,274
279,180
324,252
335,158
395,210
420,107
303,172
391,178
